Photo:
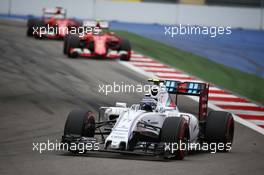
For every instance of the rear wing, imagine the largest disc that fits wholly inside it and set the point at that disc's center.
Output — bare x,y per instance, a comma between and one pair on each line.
193,89
188,88
57,11
93,23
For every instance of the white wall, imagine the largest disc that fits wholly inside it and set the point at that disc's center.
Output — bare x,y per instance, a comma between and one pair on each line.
145,12
262,18
220,16
136,12
4,6
75,8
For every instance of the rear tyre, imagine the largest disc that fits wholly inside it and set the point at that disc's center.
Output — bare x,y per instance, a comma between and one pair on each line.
125,46
175,131
72,42
65,44
80,123
39,24
30,27
219,129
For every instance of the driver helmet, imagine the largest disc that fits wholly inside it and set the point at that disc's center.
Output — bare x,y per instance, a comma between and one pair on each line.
154,92
148,104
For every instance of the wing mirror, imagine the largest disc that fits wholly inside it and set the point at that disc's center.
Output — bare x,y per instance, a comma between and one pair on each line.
122,105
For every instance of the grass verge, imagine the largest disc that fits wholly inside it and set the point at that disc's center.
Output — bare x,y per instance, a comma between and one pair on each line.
244,84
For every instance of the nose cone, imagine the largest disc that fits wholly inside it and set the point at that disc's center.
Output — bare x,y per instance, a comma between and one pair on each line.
62,27
100,46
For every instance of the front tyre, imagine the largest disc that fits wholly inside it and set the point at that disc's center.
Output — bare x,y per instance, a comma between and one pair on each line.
30,26
65,44
39,25
125,46
73,41
80,123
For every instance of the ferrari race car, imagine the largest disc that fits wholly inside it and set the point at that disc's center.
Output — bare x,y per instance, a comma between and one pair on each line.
97,42
155,126
52,25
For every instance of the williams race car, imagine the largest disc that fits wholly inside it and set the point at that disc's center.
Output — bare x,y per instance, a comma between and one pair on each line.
53,25
155,126
97,42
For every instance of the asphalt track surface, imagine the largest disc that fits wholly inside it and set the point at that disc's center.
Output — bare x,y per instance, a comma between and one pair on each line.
38,88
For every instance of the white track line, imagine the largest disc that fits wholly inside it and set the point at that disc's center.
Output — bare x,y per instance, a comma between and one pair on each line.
232,103
158,69
247,112
136,69
257,122
137,55
138,60
146,64
141,59
222,95
214,88
172,74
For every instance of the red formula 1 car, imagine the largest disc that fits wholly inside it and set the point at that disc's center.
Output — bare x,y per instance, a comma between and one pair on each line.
98,42
52,25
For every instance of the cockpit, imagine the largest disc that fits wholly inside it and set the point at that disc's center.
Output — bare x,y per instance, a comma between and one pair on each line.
158,99
148,104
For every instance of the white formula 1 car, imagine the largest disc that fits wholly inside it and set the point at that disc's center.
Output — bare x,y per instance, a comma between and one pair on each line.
155,126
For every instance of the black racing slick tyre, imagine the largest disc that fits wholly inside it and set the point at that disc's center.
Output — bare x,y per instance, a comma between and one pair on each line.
39,24
80,123
125,46
73,41
65,44
174,131
30,26
219,129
